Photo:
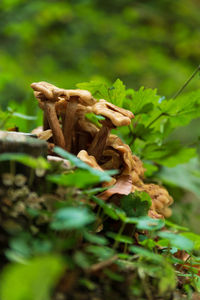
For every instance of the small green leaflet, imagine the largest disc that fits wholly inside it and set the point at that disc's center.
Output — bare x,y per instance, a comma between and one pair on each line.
70,218
177,240
27,160
78,178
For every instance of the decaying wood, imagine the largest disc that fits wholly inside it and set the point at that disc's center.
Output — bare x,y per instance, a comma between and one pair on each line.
17,142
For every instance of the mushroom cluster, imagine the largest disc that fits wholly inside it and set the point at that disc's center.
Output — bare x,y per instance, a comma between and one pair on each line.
65,116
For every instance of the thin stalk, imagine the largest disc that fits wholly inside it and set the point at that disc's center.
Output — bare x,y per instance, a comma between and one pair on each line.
158,117
12,167
119,233
187,82
31,177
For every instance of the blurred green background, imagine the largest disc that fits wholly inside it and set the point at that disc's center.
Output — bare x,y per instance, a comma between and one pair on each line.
144,43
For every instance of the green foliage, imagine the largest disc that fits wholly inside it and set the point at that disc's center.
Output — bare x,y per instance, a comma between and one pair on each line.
103,176
136,204
33,280
71,218
27,160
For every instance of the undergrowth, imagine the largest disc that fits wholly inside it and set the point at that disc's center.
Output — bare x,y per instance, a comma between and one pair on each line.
60,241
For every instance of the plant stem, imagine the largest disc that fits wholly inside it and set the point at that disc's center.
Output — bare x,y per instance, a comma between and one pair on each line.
119,233
186,83
12,167
158,117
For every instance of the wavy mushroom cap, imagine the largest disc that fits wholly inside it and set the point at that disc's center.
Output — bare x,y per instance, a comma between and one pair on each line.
44,90
124,150
89,160
118,116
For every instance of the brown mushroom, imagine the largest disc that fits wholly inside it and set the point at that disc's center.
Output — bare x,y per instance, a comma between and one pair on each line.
91,161
44,93
55,101
114,116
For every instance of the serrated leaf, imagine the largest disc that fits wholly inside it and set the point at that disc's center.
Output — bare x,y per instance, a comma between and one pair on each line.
169,154
142,101
117,93
136,204
99,89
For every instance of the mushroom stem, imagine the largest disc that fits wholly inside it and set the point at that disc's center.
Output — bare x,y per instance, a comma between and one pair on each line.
98,144
50,112
45,122
69,122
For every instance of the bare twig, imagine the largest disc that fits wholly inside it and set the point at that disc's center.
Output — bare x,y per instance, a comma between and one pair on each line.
102,264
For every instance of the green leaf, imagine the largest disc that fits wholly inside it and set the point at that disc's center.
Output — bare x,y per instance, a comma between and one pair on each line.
150,169
117,93
182,110
177,240
142,100
103,176
185,176
99,89
169,154
95,239
101,252
33,280
147,223
113,275
120,238
70,218
195,238
136,204
148,243
146,254
94,118
78,178
22,116
27,160
107,208
175,226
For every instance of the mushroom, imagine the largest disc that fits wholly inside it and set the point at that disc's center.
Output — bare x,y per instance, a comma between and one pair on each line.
124,150
59,102
114,116
44,93
91,161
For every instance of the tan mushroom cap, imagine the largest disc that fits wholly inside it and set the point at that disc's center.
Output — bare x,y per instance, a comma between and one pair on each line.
118,116
44,90
91,161
115,142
